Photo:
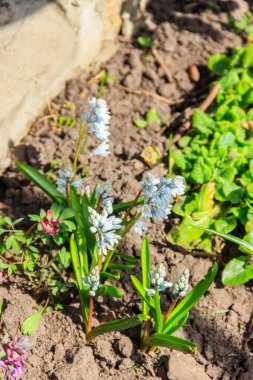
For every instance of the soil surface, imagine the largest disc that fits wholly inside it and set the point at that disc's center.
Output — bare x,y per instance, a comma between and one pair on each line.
186,33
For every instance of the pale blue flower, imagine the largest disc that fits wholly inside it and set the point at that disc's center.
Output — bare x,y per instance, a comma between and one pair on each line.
105,227
103,191
98,118
159,194
157,280
149,185
65,178
139,227
182,284
92,281
102,149
176,186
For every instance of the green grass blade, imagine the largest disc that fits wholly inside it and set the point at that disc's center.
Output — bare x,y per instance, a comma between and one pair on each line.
41,181
171,342
190,300
142,292
229,237
117,325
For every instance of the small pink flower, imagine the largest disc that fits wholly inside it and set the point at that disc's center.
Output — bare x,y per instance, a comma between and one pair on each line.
21,345
13,364
49,224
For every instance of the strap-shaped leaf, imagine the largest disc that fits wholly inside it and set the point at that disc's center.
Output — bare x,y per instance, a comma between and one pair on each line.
157,313
142,292
127,258
171,342
189,301
41,181
118,324
106,275
120,266
109,290
76,262
178,325
229,237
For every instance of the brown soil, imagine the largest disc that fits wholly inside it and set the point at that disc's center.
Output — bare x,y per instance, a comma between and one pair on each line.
186,34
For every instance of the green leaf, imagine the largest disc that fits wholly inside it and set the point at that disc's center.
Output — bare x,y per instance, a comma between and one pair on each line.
145,268
121,266
178,325
158,314
231,238
31,324
40,180
218,63
67,213
152,116
142,292
202,123
190,300
109,290
205,197
145,262
107,275
248,238
145,42
237,271
140,123
116,325
171,342
127,258
225,224
247,58
76,262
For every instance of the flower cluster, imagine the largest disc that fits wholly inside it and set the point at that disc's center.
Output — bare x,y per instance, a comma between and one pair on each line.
103,192
159,194
66,178
50,224
97,118
157,279
92,281
13,354
105,226
181,285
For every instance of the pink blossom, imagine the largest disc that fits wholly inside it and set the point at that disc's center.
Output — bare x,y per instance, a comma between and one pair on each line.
21,345
49,224
13,363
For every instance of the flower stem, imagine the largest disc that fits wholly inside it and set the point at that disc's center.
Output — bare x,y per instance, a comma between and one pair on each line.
79,143
171,308
89,323
133,204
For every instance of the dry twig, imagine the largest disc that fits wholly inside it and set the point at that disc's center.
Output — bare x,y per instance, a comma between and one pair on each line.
162,64
203,107
151,95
